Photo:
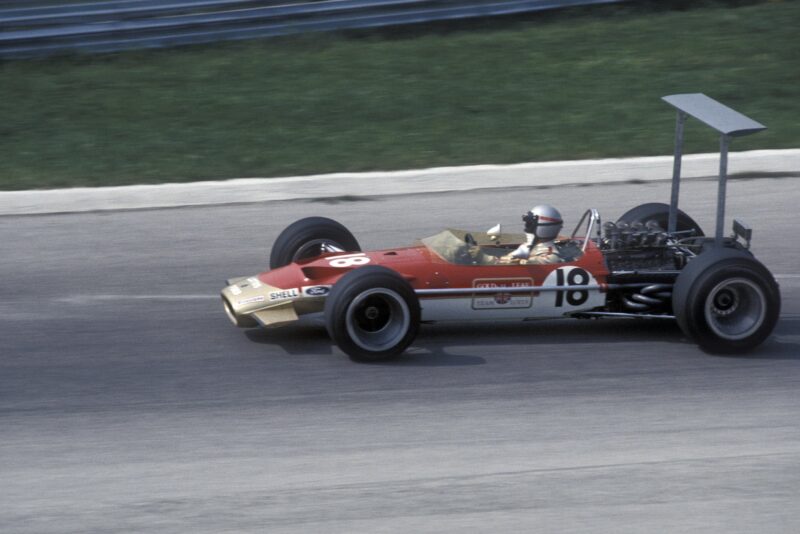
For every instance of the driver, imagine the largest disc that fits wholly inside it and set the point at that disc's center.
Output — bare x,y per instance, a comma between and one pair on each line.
542,225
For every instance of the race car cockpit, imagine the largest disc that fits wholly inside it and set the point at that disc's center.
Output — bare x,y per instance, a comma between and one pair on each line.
464,248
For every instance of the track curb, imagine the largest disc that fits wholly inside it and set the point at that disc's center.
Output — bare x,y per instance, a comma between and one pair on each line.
435,180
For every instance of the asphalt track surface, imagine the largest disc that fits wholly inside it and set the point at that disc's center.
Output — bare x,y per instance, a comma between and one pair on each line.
129,403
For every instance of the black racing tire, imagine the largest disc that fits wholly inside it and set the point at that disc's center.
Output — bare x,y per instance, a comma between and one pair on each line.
304,238
726,301
659,212
372,314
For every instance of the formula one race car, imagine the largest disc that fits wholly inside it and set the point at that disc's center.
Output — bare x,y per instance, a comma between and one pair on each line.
654,262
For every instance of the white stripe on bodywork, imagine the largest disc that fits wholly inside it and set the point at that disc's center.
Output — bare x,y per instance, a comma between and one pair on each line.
255,283
551,299
462,309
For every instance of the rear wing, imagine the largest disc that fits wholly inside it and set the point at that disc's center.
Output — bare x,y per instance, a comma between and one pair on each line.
729,123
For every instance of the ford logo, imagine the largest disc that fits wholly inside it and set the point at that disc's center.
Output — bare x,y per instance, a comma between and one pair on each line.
317,291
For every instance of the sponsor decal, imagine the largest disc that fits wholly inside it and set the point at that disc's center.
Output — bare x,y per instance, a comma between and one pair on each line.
284,294
501,300
251,300
316,291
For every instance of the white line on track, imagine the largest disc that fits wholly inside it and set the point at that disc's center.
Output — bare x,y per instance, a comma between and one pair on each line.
86,299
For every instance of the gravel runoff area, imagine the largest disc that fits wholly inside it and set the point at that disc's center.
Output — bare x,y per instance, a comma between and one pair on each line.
331,186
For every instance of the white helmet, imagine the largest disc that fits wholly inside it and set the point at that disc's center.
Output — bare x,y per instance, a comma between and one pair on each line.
543,222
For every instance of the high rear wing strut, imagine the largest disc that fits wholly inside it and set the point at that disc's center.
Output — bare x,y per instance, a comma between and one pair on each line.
729,123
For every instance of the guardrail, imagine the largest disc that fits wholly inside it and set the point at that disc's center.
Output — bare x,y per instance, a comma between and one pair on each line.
124,24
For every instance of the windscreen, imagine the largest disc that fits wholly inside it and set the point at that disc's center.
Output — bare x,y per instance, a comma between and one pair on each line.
449,245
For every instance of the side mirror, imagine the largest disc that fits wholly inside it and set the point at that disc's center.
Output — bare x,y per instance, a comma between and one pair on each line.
495,231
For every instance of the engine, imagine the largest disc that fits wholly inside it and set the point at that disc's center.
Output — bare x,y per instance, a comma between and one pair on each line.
637,246
639,256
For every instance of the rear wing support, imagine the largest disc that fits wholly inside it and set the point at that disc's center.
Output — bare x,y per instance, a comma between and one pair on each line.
729,123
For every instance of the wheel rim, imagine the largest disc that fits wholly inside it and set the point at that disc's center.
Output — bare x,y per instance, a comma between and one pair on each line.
315,247
377,319
735,308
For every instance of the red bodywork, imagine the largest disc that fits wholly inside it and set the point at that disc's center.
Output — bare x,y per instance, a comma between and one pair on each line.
424,269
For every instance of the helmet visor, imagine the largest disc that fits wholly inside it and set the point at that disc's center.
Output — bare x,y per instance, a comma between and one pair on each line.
533,221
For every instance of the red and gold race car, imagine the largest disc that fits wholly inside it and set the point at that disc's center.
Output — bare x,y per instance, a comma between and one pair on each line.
373,302
653,262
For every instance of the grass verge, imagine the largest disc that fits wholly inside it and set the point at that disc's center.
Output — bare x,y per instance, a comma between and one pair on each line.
583,83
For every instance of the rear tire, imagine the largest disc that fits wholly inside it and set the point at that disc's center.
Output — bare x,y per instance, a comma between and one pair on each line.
307,238
372,314
726,301
659,212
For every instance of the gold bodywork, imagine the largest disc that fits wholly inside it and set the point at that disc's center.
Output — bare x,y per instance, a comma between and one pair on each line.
250,302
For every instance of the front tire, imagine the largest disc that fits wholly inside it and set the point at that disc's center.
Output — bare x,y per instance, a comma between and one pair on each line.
310,237
372,314
726,301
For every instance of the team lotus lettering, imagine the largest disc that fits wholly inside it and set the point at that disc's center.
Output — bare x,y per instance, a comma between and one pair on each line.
284,294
